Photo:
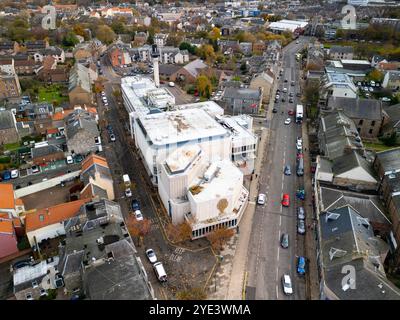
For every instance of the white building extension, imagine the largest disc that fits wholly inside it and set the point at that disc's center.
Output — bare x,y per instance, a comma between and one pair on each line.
158,135
206,194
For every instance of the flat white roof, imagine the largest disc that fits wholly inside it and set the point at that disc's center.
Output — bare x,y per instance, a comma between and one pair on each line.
237,125
222,184
366,62
30,273
211,107
179,126
181,158
287,25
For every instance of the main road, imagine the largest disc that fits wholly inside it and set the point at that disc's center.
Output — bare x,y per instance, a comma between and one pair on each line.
267,261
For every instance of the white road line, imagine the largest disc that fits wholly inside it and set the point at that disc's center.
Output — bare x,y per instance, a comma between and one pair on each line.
276,291
280,222
277,274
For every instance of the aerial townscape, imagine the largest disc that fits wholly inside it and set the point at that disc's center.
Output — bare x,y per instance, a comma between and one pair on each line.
200,150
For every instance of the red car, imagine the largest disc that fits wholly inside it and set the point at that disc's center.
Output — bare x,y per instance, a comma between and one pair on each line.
285,200
299,156
291,113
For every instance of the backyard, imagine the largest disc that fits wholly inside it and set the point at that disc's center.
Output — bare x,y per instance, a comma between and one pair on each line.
52,94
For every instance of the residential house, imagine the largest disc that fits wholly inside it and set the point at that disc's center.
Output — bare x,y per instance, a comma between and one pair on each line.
337,134
168,71
191,71
229,46
385,66
347,240
35,46
33,281
387,165
81,131
242,100
119,56
173,55
47,153
259,47
8,238
42,224
9,204
160,39
140,38
315,57
341,52
81,79
55,52
98,257
391,80
392,125
264,80
369,206
8,47
8,128
337,85
246,48
97,179
367,114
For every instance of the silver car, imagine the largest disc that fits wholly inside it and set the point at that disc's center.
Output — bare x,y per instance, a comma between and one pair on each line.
301,226
151,255
300,213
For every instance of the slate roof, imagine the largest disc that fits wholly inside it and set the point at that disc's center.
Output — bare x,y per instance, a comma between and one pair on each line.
80,120
393,112
370,109
349,162
168,69
79,77
389,159
194,67
340,49
368,206
348,239
242,93
6,120
45,151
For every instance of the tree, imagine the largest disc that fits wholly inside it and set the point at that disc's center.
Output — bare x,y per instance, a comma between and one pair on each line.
206,52
105,34
138,229
203,85
79,30
70,39
191,294
118,25
180,232
244,36
219,237
187,46
375,75
215,33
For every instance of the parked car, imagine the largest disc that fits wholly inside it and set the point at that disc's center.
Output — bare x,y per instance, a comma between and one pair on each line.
6,175
287,284
128,193
287,170
70,160
35,169
160,272
138,215
171,84
298,94
112,137
291,100
283,99
14,174
300,213
285,241
79,158
290,112
135,205
151,255
261,198
301,266
285,200
274,110
301,226
288,121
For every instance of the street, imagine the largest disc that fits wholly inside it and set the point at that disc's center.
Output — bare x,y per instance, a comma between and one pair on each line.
267,261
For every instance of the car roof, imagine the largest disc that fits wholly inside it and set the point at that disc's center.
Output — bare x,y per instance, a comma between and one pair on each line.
286,277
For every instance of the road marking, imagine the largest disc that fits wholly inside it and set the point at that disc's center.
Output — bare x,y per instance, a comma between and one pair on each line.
280,221
276,291
277,274
277,256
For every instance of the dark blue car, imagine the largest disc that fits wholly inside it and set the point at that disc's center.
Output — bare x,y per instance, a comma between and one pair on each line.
6,175
301,266
135,205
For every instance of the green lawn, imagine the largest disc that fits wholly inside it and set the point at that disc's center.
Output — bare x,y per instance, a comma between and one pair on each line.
377,147
51,94
12,146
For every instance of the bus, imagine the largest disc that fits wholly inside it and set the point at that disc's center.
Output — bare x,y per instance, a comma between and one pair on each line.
299,113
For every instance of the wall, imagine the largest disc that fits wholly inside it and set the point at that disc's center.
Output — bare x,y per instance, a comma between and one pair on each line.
51,231
8,245
19,193
8,136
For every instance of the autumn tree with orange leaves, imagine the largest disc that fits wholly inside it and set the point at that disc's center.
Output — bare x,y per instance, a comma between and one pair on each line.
138,229
219,237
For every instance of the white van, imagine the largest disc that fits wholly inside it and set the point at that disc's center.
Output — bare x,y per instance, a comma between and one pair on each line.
160,272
